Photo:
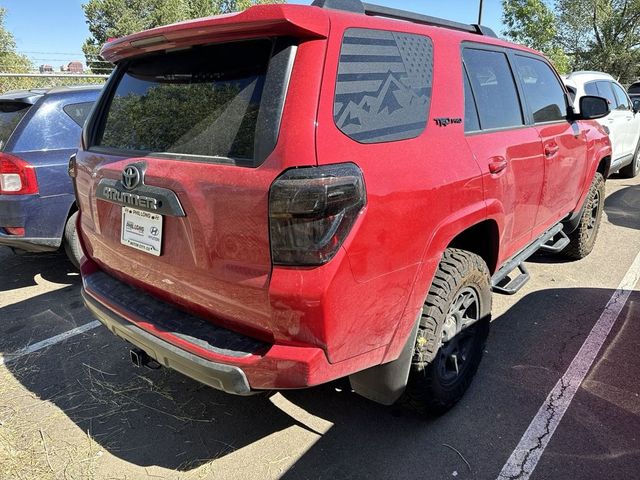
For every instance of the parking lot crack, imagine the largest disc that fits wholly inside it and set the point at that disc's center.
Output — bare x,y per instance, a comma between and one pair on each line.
552,405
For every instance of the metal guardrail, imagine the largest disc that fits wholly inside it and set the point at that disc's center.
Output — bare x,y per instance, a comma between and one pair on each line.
52,75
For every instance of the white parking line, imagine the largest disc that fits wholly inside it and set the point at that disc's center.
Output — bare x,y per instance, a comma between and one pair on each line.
525,457
9,357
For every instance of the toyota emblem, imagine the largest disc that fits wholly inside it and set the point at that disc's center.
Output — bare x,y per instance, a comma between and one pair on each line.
131,177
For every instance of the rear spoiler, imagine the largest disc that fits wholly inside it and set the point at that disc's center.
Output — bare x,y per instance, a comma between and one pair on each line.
258,21
22,96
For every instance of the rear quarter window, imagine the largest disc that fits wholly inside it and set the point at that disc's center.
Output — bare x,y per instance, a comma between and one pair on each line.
78,112
383,88
203,102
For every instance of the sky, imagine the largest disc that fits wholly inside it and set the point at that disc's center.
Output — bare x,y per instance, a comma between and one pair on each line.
53,31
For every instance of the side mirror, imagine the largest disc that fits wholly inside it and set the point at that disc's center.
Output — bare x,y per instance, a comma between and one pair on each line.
636,105
592,107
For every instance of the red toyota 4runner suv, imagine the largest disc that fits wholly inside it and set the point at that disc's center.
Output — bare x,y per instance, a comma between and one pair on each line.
292,194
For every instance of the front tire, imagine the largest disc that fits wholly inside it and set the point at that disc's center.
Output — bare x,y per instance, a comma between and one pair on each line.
452,334
70,241
583,238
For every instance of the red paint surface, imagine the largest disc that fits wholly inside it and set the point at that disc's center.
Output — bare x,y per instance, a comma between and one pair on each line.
357,310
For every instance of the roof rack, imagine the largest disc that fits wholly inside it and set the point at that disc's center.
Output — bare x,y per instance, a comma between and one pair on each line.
356,6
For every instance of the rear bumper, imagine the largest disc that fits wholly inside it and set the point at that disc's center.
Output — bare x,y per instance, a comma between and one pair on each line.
29,244
198,348
43,219
227,378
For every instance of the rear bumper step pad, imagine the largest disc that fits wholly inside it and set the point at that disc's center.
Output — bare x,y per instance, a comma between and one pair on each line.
227,378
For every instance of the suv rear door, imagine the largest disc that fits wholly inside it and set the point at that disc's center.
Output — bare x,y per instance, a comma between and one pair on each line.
616,121
631,124
563,143
508,151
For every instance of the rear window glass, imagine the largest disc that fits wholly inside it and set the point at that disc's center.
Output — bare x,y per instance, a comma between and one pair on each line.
202,102
10,115
383,89
634,88
78,111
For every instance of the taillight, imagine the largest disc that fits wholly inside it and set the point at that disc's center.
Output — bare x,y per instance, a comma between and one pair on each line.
312,210
17,177
17,231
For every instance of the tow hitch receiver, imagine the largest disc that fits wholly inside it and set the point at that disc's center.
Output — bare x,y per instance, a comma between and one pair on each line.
140,358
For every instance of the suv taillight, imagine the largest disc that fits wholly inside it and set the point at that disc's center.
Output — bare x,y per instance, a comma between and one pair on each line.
312,210
17,177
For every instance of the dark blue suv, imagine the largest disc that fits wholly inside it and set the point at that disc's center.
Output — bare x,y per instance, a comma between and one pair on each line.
39,130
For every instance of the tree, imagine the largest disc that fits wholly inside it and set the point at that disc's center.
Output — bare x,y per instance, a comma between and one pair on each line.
602,35
533,23
116,18
10,60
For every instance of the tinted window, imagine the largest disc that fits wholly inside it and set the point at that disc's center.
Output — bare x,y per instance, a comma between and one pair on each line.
78,111
543,91
604,90
493,88
383,89
10,115
591,89
621,97
201,102
634,88
471,120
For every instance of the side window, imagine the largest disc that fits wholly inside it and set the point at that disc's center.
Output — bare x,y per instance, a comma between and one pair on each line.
542,90
591,89
621,96
494,89
604,89
471,120
383,89
78,111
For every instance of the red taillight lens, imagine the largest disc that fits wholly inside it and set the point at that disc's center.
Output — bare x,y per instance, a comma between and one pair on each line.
18,231
17,177
312,210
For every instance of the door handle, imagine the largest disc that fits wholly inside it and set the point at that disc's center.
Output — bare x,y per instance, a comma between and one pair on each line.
551,149
497,164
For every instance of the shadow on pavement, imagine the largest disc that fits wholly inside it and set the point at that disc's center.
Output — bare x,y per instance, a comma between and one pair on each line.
623,207
19,270
162,418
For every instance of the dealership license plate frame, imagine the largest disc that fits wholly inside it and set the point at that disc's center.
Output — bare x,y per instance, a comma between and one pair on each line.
141,230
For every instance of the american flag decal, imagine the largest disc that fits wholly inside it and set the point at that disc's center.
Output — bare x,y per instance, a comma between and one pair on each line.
383,89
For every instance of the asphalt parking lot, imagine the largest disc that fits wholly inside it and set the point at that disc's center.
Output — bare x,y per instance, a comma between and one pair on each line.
78,409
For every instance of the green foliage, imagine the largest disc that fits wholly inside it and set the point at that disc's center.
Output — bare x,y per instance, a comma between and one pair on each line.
602,35
10,60
533,23
26,83
116,18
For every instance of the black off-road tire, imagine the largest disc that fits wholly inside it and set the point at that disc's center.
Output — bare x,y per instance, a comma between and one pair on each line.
428,390
70,241
633,169
583,238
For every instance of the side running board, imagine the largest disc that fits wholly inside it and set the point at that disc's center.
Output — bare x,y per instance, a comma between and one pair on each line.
553,240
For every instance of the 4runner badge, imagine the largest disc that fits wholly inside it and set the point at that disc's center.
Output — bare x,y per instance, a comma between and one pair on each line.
130,191
444,121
